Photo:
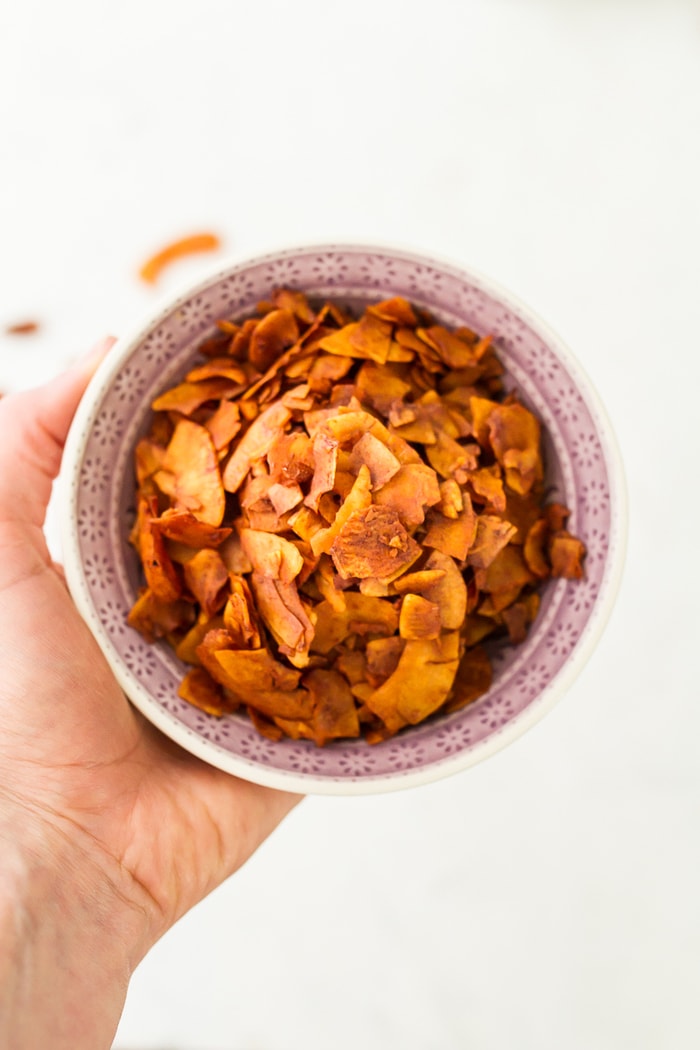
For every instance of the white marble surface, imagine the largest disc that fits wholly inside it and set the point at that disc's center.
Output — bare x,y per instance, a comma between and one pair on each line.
549,897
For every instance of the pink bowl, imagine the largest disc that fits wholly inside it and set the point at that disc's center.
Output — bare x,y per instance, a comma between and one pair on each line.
583,471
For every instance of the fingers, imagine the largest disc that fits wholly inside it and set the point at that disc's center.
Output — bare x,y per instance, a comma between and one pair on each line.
33,428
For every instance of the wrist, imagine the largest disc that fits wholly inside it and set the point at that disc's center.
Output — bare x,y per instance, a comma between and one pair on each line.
72,930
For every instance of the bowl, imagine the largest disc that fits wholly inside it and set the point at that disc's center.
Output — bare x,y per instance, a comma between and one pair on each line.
583,471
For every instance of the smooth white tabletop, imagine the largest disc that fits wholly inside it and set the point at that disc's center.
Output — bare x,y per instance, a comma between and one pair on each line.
547,898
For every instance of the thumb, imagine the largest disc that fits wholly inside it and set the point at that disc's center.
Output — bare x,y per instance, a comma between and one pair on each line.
33,429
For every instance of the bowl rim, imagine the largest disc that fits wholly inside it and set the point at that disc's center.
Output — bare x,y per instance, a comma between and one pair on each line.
357,784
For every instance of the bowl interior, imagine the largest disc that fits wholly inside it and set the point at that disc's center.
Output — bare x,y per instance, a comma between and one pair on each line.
104,575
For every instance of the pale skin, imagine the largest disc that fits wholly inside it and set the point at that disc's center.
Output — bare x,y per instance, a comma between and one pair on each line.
108,831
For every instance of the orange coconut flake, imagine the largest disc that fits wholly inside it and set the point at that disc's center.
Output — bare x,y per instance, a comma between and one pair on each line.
198,242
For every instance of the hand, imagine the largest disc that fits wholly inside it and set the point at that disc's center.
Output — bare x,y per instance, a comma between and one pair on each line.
115,830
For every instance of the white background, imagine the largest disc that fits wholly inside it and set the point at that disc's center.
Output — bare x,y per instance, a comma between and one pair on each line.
547,898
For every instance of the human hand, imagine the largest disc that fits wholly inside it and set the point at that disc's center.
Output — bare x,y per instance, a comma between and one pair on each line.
110,831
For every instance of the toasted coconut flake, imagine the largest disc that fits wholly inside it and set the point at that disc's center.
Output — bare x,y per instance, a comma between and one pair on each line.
381,463
493,605
155,618
334,711
419,618
284,616
284,497
492,535
418,582
513,433
256,678
266,519
358,499
486,485
197,242
566,554
348,424
22,328
449,458
326,580
265,726
380,387
235,558
305,523
286,299
352,664
326,370
396,310
188,397
240,618
253,493
399,354
291,459
481,409
369,338
217,368
249,410
325,456
376,587
396,444
214,639
557,516
328,508
299,399
256,442
206,578
161,575
186,648
451,499
507,573
413,424
453,351
373,542
407,338
240,343
381,657
534,549
434,664
274,334
191,459
476,628
149,458
449,592
295,728
200,689
224,424
517,618
410,492
473,679
183,527
522,512
453,536
272,555
362,614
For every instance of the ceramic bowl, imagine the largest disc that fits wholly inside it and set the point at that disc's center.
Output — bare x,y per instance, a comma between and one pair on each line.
583,471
